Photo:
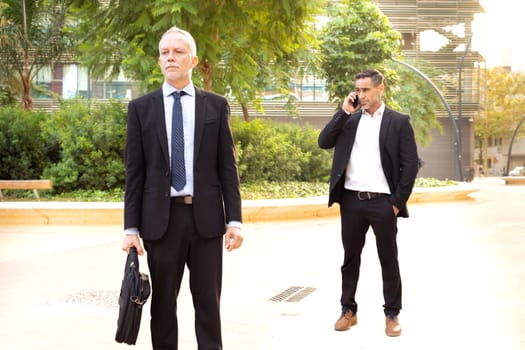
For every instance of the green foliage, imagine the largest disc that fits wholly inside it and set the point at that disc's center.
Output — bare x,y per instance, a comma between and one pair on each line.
6,95
242,46
418,99
249,191
115,195
92,138
505,101
269,151
31,36
505,104
24,151
80,148
357,37
426,182
318,162
275,190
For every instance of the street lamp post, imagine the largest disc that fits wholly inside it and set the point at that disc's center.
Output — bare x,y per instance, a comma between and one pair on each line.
460,98
511,142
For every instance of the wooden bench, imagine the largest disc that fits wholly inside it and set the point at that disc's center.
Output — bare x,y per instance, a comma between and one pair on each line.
25,185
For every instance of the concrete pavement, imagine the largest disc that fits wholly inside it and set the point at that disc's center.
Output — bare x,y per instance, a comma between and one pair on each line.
462,264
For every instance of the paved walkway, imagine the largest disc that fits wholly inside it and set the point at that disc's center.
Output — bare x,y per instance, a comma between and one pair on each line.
462,264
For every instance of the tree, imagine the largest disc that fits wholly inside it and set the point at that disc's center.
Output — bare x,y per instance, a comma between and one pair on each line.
418,99
356,37
504,108
243,46
31,37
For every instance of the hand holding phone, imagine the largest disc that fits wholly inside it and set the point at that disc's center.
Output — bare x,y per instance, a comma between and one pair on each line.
356,102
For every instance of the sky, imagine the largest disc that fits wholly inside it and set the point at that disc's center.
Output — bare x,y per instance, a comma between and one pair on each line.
501,33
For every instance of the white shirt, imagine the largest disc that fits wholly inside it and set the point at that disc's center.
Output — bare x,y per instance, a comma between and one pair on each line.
188,119
364,171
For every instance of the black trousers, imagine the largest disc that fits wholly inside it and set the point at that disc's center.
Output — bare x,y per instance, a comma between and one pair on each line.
356,218
167,258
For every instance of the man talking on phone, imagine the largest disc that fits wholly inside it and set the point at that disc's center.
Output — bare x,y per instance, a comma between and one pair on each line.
375,164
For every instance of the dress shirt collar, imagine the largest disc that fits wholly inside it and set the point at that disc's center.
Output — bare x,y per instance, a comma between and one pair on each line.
167,89
380,111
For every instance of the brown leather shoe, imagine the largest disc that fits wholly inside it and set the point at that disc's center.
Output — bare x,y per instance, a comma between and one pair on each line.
347,320
393,328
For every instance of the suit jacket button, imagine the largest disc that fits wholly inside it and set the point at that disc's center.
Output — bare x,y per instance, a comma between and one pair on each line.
166,194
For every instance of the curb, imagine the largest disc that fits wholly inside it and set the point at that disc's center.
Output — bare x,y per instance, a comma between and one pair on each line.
97,213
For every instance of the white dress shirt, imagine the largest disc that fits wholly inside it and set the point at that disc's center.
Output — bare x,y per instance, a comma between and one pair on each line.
364,171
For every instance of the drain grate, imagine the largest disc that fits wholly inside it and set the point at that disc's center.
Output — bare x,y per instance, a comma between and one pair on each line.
293,294
301,294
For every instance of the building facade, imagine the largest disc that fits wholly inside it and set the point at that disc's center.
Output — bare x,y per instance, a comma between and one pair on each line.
440,32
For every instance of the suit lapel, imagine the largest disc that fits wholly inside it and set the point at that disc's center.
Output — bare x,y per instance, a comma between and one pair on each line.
383,131
352,130
200,112
383,134
158,115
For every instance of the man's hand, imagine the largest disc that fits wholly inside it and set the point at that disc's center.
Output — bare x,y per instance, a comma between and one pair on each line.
132,241
396,210
233,238
348,106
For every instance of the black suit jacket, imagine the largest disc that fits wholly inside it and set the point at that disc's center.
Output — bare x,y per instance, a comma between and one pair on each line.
397,147
216,198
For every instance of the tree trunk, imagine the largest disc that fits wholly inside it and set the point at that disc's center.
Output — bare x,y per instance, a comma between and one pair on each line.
25,82
25,75
245,113
205,69
27,101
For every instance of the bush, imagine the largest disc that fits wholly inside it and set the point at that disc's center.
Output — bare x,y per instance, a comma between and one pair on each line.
92,138
426,182
81,147
6,95
24,150
271,151
317,162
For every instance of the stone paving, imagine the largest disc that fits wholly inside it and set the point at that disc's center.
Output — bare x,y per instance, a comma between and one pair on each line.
462,265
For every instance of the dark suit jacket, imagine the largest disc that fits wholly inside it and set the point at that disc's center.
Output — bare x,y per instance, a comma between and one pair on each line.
216,195
397,147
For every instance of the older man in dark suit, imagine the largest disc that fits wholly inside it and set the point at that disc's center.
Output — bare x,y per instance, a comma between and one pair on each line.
374,168
182,192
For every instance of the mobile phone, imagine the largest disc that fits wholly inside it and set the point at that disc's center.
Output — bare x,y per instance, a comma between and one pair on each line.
356,102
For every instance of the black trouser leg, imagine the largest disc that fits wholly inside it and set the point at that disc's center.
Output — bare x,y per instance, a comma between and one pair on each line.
384,224
205,265
166,261
353,233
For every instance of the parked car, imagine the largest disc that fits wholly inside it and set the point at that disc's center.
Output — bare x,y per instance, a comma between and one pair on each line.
517,171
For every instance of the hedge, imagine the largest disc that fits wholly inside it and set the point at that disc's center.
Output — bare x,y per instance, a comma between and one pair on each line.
81,147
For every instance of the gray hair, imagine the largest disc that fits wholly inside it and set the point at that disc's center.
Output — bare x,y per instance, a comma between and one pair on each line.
186,34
